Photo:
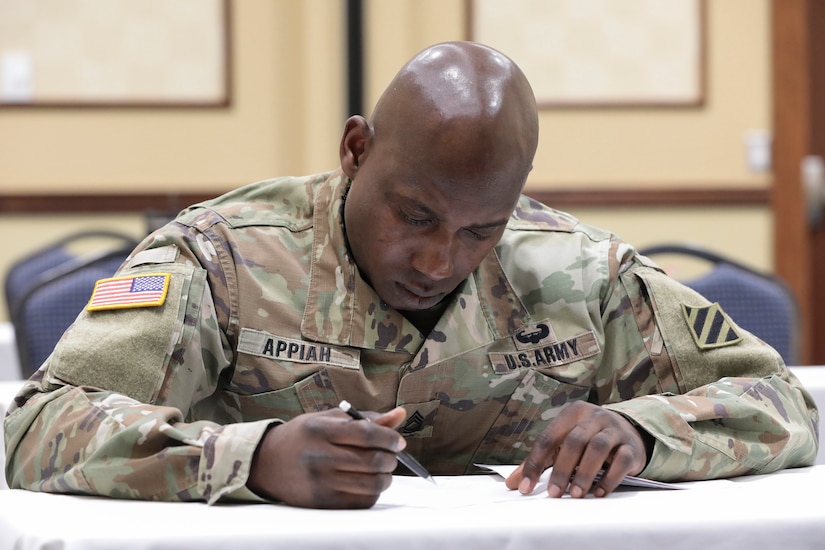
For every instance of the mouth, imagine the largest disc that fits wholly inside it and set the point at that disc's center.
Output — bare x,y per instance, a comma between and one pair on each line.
422,298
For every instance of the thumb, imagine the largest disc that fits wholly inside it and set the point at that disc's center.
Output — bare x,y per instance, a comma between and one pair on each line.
391,419
524,477
514,479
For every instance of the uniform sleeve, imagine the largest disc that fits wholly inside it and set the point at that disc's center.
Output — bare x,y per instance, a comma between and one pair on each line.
718,401
109,412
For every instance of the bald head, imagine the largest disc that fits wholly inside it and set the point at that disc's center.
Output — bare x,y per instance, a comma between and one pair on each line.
461,101
437,171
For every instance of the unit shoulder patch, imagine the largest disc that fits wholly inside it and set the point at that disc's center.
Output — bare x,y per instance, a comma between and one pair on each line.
710,326
133,291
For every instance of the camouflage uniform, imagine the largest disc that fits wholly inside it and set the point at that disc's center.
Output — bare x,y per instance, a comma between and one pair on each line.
265,317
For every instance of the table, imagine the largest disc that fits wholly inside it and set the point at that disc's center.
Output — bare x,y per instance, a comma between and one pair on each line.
759,512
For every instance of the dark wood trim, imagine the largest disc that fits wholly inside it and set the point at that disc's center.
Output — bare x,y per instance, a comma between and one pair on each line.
792,140
630,197
816,132
558,198
98,203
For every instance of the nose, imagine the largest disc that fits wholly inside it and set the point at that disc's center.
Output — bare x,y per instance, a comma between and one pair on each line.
435,257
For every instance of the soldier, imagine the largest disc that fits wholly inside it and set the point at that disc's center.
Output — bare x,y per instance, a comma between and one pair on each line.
417,282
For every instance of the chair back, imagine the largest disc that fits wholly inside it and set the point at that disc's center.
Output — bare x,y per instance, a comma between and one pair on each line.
760,303
46,290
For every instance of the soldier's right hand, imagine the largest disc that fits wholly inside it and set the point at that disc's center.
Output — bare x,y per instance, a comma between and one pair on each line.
328,460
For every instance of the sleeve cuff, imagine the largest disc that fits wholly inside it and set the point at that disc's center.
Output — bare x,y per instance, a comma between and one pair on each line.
227,459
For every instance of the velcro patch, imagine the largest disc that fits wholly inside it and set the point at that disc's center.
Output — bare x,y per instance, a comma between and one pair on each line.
710,326
163,255
145,290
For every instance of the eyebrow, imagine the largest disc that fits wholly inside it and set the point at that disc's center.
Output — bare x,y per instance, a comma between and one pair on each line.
428,211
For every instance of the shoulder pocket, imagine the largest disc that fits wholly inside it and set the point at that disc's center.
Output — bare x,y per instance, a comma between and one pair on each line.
127,350
700,338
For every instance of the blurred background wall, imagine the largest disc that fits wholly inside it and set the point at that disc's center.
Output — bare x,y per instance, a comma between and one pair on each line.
288,105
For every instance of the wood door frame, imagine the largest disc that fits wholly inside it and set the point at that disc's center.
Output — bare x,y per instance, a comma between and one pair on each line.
798,63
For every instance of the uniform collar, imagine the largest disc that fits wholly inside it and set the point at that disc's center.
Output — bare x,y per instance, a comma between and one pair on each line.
342,309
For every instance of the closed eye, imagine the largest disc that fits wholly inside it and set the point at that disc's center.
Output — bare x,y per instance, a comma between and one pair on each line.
415,221
479,235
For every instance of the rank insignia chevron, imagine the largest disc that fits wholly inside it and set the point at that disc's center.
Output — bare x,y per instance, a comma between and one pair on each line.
710,326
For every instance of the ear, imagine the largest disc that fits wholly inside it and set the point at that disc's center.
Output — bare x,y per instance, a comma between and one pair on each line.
355,144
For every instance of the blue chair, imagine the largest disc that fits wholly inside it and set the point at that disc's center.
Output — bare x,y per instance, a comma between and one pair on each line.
758,302
46,290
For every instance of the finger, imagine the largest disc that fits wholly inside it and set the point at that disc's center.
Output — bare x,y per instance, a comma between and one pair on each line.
596,453
514,479
333,500
370,435
347,490
369,461
360,483
619,467
391,419
346,449
540,457
567,460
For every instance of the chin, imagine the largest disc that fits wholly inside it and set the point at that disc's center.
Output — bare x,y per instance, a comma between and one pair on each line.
398,301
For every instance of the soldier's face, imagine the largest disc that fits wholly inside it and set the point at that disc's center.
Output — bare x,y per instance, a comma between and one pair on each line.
417,229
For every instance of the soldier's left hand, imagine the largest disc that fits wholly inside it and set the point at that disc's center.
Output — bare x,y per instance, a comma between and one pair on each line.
580,441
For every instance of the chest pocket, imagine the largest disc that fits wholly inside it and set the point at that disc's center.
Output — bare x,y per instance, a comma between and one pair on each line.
532,405
314,393
464,413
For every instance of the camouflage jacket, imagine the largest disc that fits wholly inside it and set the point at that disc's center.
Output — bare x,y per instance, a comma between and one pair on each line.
260,315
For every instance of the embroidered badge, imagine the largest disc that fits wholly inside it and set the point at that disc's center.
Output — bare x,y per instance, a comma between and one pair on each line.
420,419
541,333
147,290
413,424
710,326
553,354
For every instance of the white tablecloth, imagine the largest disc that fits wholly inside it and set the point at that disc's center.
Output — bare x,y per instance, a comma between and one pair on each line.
477,512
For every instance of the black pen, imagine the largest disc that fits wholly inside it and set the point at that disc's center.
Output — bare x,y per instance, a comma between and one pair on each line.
403,457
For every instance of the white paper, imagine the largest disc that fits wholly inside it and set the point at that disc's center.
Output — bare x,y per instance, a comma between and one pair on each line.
471,490
451,492
628,481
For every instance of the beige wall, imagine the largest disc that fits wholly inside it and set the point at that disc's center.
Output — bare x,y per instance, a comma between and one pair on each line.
288,107
625,145
287,71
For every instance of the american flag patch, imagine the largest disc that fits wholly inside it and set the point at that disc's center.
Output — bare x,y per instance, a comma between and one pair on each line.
128,292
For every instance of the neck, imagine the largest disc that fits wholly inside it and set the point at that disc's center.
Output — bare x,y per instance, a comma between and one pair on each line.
426,319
